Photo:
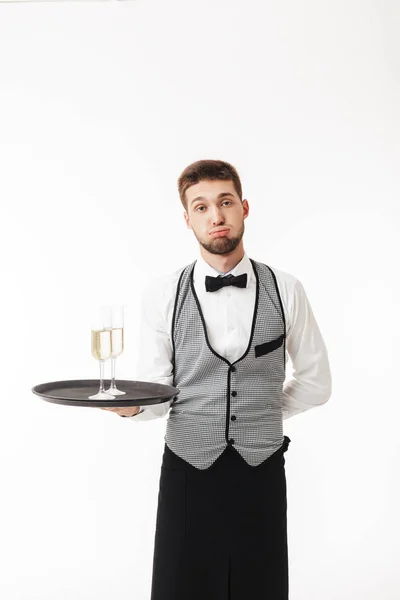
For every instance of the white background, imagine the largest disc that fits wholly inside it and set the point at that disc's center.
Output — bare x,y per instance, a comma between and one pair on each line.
102,105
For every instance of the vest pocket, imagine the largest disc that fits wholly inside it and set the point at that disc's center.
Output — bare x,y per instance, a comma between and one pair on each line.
267,347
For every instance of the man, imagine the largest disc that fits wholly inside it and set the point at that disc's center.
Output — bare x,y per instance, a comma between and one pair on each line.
218,329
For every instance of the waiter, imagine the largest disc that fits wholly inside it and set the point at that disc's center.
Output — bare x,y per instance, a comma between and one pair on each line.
219,330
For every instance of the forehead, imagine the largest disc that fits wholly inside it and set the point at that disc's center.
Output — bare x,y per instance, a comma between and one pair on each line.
209,189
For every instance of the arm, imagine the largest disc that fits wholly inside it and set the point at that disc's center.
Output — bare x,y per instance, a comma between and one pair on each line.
155,348
312,382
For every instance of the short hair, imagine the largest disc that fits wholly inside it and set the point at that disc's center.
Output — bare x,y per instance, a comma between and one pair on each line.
207,169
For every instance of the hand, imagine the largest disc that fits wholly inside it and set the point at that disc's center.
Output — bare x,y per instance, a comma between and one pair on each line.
123,411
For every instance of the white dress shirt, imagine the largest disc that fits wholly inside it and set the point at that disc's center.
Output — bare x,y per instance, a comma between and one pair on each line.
228,314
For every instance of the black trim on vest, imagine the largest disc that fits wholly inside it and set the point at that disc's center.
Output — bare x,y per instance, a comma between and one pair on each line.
173,327
228,407
253,322
283,315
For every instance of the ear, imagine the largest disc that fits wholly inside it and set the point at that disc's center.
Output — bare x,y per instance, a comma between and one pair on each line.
246,208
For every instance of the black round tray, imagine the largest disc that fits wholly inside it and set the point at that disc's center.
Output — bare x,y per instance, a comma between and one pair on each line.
75,392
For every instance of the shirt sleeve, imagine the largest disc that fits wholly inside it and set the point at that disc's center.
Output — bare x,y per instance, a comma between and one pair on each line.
311,384
155,352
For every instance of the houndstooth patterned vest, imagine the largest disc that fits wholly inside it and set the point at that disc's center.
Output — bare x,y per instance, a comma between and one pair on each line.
222,403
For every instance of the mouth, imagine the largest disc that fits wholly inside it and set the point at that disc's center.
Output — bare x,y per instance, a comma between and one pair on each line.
219,233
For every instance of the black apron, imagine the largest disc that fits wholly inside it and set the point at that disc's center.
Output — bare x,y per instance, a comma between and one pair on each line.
221,532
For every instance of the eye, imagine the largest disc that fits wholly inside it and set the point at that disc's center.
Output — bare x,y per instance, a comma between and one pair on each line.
202,205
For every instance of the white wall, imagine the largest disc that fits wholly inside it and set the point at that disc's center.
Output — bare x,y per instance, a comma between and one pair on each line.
102,105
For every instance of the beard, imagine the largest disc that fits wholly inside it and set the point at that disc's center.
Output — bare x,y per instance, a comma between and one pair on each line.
221,245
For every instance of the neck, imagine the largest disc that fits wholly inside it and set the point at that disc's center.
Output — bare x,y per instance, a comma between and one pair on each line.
223,262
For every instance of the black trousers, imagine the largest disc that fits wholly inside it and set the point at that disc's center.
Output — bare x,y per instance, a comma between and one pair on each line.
221,533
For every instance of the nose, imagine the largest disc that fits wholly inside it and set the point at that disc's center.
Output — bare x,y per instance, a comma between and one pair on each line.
217,218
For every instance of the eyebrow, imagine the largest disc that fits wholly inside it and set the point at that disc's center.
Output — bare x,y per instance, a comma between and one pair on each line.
221,195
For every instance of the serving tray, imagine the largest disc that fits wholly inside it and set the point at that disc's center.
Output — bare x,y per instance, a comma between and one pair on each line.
76,392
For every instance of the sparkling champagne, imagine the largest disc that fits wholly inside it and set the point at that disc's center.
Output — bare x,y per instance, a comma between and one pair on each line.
101,344
117,341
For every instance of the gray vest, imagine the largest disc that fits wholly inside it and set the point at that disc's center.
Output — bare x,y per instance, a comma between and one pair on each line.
222,403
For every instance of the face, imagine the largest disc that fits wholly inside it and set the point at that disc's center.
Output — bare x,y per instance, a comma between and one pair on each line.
214,205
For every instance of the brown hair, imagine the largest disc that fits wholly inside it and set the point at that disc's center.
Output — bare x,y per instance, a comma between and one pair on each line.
207,169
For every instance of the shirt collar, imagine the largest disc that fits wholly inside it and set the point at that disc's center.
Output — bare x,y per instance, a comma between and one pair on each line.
202,268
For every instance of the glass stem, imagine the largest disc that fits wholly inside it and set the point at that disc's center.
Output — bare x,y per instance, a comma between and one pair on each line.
112,372
102,376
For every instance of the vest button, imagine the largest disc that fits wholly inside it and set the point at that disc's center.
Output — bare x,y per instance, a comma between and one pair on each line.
234,393
232,441
233,418
233,369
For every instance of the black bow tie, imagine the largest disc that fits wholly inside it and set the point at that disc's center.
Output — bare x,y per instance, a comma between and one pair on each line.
215,283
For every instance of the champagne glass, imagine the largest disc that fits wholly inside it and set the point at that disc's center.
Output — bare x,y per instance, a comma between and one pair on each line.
117,344
101,346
